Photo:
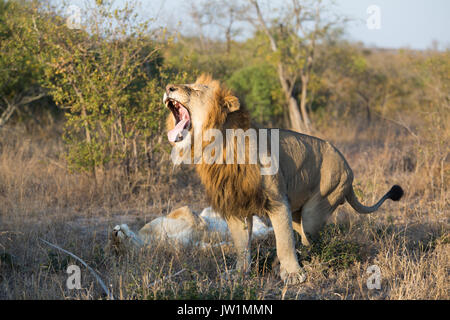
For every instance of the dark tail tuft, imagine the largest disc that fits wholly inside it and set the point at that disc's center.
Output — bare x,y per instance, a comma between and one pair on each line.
395,193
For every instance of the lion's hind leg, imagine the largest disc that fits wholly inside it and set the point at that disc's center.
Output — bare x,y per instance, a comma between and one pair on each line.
314,215
297,225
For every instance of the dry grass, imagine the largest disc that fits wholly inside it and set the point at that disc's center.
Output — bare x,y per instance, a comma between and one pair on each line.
39,198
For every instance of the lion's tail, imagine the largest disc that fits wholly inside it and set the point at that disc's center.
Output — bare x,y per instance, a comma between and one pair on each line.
394,194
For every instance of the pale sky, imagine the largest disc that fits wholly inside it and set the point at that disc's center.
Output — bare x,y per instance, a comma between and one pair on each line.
403,23
413,23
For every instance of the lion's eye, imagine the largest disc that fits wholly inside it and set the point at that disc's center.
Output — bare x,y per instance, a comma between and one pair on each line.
199,88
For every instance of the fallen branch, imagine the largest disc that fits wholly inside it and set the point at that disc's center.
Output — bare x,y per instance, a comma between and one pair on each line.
99,280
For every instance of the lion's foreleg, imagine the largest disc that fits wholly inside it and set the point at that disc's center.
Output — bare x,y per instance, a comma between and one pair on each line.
241,233
281,218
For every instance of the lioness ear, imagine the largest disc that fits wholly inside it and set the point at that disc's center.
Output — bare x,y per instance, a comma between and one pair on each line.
231,103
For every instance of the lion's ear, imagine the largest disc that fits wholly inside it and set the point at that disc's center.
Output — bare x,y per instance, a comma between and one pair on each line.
232,103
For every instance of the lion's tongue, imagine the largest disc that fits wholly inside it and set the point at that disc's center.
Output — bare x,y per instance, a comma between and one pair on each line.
175,132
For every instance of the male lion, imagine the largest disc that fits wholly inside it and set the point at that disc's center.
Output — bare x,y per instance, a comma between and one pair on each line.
312,181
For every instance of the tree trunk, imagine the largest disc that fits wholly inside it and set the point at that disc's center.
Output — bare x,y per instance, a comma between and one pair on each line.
366,102
293,108
88,140
306,121
228,39
369,115
294,115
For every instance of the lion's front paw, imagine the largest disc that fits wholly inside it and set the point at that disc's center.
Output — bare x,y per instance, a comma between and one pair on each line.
293,278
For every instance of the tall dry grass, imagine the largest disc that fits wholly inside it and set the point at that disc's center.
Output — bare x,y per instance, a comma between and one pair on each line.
40,198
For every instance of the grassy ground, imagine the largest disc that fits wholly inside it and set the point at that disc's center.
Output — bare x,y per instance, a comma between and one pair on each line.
40,198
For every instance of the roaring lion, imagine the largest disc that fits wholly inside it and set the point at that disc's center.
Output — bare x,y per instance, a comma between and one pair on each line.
312,181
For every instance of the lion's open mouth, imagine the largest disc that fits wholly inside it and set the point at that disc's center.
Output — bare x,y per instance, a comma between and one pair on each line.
182,121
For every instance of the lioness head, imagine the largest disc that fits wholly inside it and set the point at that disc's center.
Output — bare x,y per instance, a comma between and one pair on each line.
196,107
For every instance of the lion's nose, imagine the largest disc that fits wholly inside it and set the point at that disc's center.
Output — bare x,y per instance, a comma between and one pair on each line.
171,88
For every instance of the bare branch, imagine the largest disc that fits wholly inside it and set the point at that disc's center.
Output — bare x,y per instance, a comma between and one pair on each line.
97,277
10,109
264,26
27,100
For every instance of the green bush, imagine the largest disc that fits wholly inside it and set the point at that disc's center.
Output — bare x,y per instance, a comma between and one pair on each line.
21,72
110,78
259,90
